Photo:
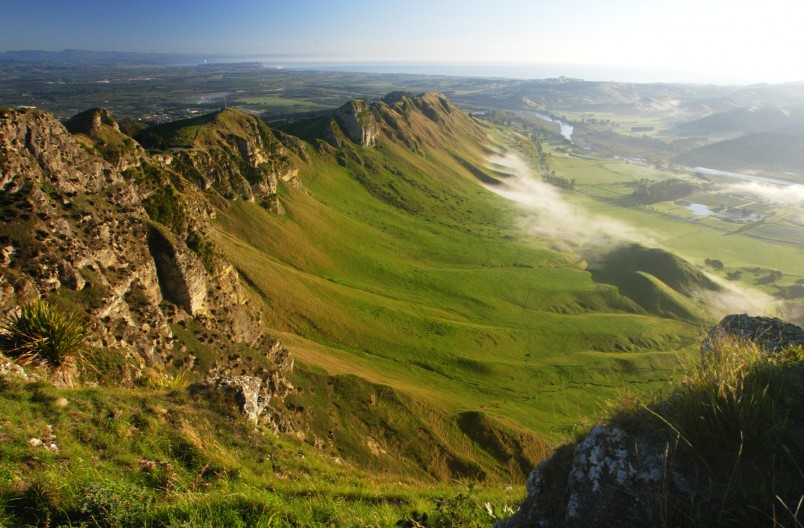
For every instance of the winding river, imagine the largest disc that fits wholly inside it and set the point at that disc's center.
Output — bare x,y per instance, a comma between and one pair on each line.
566,128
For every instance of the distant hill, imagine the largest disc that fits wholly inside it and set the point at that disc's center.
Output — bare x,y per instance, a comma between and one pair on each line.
737,121
655,279
767,150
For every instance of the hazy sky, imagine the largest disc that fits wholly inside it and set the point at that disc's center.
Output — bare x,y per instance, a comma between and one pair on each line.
708,40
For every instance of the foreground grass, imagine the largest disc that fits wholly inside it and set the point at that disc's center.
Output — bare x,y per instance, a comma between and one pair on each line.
149,457
733,429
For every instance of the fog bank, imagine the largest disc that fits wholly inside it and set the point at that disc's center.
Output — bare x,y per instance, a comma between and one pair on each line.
571,228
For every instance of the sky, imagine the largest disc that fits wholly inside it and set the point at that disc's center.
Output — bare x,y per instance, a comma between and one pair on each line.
739,41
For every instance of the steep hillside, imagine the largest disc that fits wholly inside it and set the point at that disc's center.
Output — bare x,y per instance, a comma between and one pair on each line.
736,122
396,266
776,150
421,335
232,152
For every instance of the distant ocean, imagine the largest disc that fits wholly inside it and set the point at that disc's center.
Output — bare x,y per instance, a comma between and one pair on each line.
509,70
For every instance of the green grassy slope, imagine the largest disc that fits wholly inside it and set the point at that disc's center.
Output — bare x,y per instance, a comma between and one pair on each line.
395,277
400,269
163,456
433,342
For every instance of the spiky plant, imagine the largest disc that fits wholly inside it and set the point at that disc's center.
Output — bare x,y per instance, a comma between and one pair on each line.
41,334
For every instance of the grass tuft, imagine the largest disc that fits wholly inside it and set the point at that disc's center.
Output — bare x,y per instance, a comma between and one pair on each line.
732,428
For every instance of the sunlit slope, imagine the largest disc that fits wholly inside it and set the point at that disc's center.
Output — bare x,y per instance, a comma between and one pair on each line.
397,266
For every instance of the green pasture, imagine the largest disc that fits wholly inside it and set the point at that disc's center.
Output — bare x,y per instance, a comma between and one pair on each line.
286,104
621,123
772,245
441,297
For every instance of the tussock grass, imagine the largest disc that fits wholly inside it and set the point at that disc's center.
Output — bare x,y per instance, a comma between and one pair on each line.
732,427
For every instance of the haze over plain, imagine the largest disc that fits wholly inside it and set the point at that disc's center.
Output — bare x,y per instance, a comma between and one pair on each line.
681,41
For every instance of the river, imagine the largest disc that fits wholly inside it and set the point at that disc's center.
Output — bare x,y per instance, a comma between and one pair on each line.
566,128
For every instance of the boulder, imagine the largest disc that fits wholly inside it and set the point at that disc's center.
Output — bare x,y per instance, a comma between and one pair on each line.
770,333
604,481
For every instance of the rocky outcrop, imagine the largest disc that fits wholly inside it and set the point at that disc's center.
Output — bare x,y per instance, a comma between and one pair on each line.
358,123
72,222
402,118
605,480
253,394
91,122
181,275
435,106
98,129
238,156
771,334
396,97
117,245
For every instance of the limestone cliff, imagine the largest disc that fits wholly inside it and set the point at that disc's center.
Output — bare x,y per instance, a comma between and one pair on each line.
358,122
73,228
400,117
128,248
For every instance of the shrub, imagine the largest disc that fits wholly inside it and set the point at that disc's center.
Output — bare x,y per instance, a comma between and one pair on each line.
39,333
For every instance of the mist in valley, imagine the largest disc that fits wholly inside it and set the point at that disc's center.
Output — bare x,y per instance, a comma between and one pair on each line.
568,227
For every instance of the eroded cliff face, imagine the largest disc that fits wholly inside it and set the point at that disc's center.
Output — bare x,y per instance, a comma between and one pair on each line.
73,228
400,117
128,248
358,122
238,156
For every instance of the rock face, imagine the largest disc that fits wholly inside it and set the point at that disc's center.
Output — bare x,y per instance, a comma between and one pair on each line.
72,222
618,477
116,244
401,117
772,334
181,275
358,122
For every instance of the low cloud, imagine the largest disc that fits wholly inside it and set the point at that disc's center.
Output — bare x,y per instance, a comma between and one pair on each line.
569,227
787,195
735,298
